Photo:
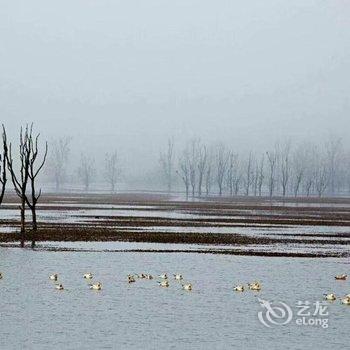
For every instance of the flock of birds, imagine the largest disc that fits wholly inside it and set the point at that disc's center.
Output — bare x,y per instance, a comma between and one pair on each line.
332,297
164,282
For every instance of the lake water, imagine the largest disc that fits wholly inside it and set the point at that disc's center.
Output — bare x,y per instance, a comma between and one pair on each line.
143,315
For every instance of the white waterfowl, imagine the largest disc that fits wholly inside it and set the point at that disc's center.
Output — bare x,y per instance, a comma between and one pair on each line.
346,300
1,276
330,297
187,286
131,279
341,277
164,283
53,277
164,276
254,286
238,288
59,287
96,286
88,276
178,277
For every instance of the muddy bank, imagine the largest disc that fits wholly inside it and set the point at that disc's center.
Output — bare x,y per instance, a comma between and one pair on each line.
155,218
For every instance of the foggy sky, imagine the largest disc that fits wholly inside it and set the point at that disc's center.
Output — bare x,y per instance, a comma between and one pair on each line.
131,73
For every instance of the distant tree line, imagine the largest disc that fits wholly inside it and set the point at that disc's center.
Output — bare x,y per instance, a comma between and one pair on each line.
304,169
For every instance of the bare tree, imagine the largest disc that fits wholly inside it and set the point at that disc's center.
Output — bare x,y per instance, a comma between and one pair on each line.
86,170
3,164
299,164
272,161
232,169
20,181
112,169
285,166
333,150
321,179
221,166
249,174
34,171
260,174
201,166
167,163
58,160
208,174
193,164
184,170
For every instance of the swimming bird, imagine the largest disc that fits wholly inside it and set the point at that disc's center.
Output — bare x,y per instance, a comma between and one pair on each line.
88,276
53,277
59,287
330,296
1,276
178,277
187,286
346,300
164,283
254,286
96,286
131,279
341,277
238,288
164,276
149,277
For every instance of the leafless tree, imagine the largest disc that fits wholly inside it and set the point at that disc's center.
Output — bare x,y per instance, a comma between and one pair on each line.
193,164
232,169
58,160
208,174
299,164
20,180
3,164
321,179
167,163
260,174
285,166
272,162
86,170
333,150
221,166
184,170
34,171
248,174
201,166
112,169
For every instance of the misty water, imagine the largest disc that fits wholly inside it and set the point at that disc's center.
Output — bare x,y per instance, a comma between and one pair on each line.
144,315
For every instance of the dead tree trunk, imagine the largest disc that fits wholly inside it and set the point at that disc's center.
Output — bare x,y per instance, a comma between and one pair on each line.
112,170
184,164
3,165
261,175
167,163
221,165
20,181
86,170
272,158
202,164
33,199
248,177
